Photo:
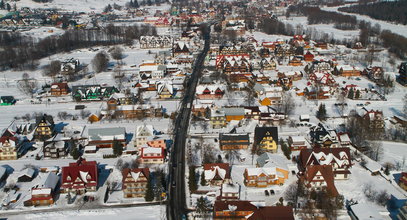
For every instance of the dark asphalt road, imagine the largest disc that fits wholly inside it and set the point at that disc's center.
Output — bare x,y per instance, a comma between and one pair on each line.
176,206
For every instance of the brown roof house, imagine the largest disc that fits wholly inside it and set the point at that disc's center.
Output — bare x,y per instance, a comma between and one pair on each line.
217,173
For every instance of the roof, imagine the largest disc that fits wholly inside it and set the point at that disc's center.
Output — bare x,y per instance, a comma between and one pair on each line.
365,211
217,171
261,132
272,160
230,137
96,134
324,156
135,173
327,174
46,183
27,172
78,169
273,213
237,111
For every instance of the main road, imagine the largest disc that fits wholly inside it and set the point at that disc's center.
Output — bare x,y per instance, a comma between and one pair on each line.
176,206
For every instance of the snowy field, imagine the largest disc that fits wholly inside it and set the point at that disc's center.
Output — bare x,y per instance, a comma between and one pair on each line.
139,213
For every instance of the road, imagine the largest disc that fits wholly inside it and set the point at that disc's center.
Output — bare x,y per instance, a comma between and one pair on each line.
176,206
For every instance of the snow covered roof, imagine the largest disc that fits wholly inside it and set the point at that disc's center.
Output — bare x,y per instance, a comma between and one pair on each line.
364,211
144,130
27,172
46,183
152,150
272,160
96,134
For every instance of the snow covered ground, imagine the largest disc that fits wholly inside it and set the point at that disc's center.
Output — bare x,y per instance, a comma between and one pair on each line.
139,213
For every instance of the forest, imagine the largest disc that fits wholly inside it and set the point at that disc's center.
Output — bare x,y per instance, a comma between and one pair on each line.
394,11
21,52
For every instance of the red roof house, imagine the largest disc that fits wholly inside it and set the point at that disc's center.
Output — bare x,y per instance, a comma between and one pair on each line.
80,177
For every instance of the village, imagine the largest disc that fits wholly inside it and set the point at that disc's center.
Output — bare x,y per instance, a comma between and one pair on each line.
281,126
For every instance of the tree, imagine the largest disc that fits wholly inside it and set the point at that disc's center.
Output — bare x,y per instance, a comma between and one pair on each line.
287,105
27,85
2,4
203,205
74,152
149,3
321,113
203,180
149,196
286,150
53,68
100,62
351,94
117,147
192,179
357,94
8,7
135,4
405,105
116,53
107,9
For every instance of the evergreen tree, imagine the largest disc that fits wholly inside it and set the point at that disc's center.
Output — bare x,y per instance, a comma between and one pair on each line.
321,113
150,190
74,152
131,4
2,4
351,94
357,94
135,4
8,7
117,148
203,205
285,148
149,2
203,180
192,179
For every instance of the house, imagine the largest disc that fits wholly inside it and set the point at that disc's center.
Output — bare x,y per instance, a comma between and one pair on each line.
44,127
297,143
270,99
321,136
80,177
217,174
104,137
308,57
364,211
152,155
233,141
267,159
264,176
161,41
338,158
403,181
8,148
92,92
43,192
234,113
134,182
320,176
217,119
59,89
210,91
295,62
374,73
70,66
143,132
323,78
266,138
180,48
241,209
348,71
268,63
27,175
133,111
7,100
165,90
55,149
374,119
229,192
344,139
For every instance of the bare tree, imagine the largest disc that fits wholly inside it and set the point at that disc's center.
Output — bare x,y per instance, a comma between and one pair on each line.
116,53
119,77
52,69
100,62
27,85
287,105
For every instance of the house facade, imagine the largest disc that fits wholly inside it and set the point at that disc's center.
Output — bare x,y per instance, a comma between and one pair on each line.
80,177
134,182
44,128
104,137
233,141
264,176
217,174
55,149
43,192
266,138
152,155
8,148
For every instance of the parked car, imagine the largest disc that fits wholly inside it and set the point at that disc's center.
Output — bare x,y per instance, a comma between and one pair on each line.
266,192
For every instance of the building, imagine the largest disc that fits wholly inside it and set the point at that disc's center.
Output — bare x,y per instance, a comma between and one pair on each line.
233,141
152,155
92,92
338,158
297,143
250,211
375,120
264,176
8,148
217,174
104,137
134,182
161,41
26,175
70,66
234,113
59,89
229,191
266,138
321,136
7,100
55,149
143,133
43,192
402,215
218,119
319,177
348,71
44,127
80,177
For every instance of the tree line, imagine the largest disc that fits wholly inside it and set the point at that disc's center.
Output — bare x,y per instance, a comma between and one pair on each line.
317,16
394,11
18,52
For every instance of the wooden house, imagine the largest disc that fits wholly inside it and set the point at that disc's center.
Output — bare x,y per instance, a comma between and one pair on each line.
134,182
59,89
266,138
104,137
44,127
233,141
217,174
264,176
80,177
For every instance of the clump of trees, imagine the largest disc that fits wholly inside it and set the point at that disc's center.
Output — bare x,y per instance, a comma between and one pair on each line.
321,113
394,11
100,62
192,181
379,197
